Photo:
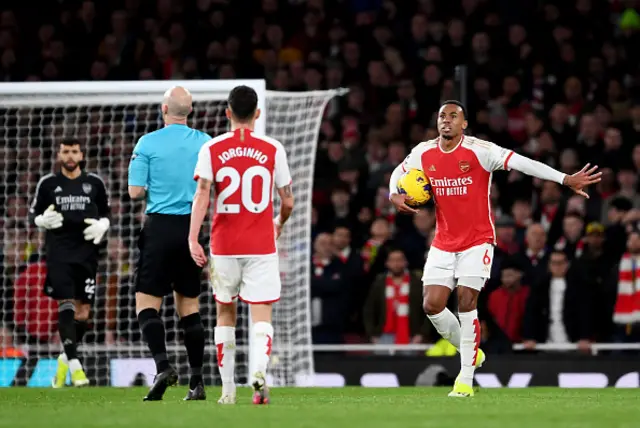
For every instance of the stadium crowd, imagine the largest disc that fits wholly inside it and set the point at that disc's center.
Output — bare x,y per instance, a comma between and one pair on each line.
554,80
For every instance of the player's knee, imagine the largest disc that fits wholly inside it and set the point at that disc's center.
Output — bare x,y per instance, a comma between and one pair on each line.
226,315
433,306
467,299
186,305
261,312
82,312
146,301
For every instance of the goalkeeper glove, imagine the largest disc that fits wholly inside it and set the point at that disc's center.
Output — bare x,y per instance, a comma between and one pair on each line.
96,229
50,219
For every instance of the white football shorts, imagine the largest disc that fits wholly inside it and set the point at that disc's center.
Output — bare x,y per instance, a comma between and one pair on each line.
470,268
253,280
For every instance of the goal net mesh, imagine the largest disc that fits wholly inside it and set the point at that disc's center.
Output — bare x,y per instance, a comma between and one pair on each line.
108,126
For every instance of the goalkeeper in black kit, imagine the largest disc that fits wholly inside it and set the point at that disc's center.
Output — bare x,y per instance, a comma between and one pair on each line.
73,207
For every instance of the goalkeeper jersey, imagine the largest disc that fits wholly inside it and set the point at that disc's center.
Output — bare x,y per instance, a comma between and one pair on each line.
244,168
76,199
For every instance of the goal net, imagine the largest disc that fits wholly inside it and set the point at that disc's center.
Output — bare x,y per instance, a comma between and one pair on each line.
108,118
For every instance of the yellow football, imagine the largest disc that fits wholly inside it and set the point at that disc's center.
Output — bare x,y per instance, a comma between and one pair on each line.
416,186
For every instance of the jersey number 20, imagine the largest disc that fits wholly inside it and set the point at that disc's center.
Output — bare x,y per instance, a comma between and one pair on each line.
244,183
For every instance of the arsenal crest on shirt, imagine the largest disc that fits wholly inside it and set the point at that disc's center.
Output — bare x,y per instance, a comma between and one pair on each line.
464,166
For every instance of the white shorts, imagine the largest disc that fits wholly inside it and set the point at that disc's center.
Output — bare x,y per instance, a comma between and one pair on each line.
253,280
471,267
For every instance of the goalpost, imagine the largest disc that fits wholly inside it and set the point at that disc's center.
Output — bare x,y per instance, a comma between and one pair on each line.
108,118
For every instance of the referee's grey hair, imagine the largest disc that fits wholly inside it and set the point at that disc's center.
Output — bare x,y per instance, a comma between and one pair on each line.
178,101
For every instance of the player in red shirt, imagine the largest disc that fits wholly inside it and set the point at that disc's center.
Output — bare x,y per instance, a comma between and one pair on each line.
243,168
460,168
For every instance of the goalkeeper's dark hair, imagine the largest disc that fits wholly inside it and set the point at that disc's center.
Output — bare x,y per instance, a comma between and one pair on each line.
70,142
456,103
243,102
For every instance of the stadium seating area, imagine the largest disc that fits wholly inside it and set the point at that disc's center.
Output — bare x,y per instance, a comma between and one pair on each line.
556,82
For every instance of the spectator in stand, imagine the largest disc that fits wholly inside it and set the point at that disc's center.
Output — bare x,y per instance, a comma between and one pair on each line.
506,235
626,315
559,308
329,292
414,240
521,212
353,275
534,256
571,240
375,249
506,307
551,210
618,215
595,270
393,311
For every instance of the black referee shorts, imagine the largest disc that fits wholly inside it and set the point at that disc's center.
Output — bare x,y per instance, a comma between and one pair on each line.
165,263
67,281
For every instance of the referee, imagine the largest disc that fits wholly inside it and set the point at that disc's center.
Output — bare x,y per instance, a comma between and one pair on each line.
161,172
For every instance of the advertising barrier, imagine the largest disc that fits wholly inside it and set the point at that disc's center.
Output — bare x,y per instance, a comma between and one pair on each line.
332,370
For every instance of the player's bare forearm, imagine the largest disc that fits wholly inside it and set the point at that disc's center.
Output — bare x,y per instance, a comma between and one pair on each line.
137,193
199,208
286,203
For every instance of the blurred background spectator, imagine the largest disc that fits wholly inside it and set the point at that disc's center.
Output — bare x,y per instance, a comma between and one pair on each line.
555,80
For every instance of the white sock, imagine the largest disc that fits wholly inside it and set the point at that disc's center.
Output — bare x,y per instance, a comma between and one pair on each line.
63,357
260,351
225,338
74,365
448,326
470,340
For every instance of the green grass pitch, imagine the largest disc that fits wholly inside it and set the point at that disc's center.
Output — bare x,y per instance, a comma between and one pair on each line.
327,408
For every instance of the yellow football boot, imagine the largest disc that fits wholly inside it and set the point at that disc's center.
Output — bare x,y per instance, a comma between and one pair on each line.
460,390
61,373
78,378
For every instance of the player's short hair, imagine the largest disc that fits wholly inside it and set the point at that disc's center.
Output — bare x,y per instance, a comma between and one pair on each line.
456,103
243,102
70,142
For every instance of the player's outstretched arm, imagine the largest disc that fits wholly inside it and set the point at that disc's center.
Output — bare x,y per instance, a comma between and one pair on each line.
576,182
198,213
398,200
286,208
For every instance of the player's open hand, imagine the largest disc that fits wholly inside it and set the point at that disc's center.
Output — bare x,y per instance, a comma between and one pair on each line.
96,229
50,219
583,178
400,202
197,253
